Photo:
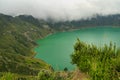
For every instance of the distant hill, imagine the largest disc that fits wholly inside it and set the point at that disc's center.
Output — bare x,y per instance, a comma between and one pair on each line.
97,20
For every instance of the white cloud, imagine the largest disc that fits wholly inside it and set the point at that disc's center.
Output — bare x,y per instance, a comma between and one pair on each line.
60,9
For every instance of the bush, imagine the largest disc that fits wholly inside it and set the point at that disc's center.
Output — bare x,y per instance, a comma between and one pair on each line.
45,75
8,76
50,75
99,63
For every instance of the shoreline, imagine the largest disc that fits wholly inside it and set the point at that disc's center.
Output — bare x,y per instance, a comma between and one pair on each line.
99,27
67,31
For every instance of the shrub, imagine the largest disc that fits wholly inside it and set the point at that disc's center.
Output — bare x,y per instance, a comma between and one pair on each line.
98,62
8,76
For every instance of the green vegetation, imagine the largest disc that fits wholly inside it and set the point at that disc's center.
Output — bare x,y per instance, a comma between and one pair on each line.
47,75
100,63
17,40
21,64
8,76
17,36
61,75
94,63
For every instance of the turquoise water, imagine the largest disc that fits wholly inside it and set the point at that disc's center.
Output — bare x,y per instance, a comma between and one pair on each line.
57,48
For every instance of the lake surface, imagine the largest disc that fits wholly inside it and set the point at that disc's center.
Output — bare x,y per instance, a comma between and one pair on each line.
56,49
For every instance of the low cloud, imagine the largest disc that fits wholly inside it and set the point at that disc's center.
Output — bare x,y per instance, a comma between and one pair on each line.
60,9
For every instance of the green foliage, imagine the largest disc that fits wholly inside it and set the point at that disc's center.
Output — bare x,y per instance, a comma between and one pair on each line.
99,63
18,35
8,76
17,40
45,75
54,75
22,65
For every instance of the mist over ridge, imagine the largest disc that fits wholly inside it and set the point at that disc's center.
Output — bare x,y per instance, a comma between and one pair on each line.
60,10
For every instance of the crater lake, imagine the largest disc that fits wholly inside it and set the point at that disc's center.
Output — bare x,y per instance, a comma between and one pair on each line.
56,49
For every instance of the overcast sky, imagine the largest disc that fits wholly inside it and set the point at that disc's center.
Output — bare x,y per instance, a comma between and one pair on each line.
60,9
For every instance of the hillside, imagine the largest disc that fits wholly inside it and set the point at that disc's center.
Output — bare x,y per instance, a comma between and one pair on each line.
18,35
21,64
17,40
